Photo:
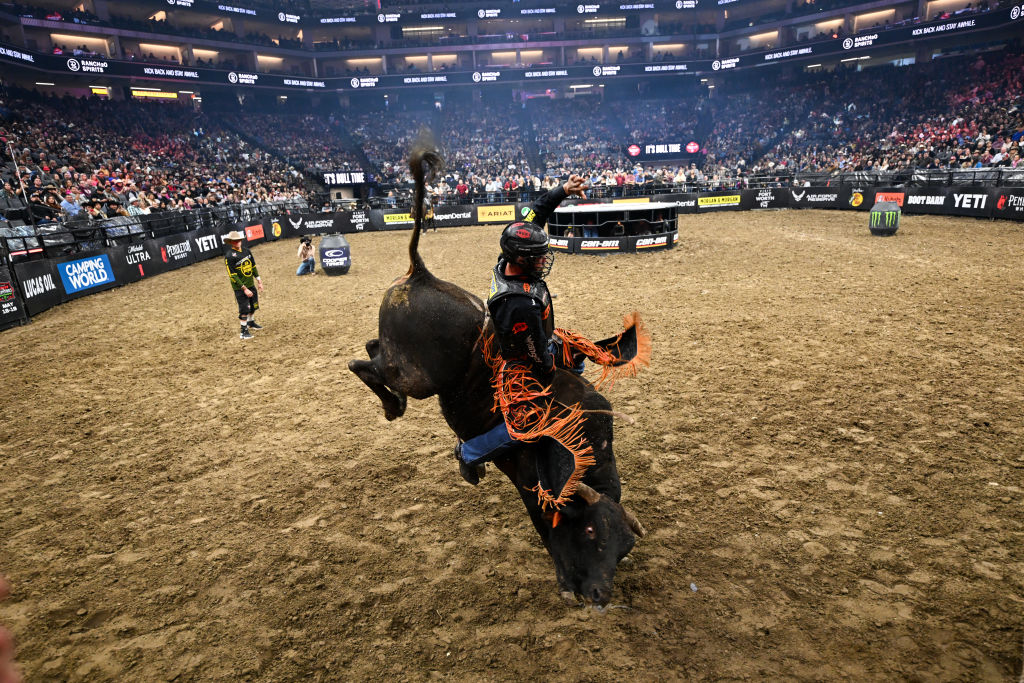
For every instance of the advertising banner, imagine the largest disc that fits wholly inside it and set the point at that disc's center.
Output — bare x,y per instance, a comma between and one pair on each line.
934,200
855,197
968,201
354,221
725,201
175,251
565,245
40,285
652,242
307,224
397,219
12,310
453,216
80,275
769,198
1007,202
887,194
813,197
686,202
132,262
254,234
206,244
604,245
497,213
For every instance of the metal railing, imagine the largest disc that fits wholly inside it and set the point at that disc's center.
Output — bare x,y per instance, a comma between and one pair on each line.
25,241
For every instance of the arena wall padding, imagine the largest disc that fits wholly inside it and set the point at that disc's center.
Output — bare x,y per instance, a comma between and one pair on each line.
12,310
814,197
1007,203
40,285
735,200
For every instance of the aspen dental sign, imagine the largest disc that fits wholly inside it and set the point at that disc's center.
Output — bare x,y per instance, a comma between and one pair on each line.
86,273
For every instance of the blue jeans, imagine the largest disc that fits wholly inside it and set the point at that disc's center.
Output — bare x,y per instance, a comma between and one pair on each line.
480,448
306,267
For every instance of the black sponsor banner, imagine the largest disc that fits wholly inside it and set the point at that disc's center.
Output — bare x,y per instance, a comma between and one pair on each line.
686,202
1007,202
132,262
454,216
273,228
40,285
723,201
85,273
856,197
603,245
358,221
813,197
207,243
12,310
175,251
768,198
968,201
935,200
311,224
564,245
644,243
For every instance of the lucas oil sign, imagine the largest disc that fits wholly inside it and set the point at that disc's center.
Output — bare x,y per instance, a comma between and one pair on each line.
86,273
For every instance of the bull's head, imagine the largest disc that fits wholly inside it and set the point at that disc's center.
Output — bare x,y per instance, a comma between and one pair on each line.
588,538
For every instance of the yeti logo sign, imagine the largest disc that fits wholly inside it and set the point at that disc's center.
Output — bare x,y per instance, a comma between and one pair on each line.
970,201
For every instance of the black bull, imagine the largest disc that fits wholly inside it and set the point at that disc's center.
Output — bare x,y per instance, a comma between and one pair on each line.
429,343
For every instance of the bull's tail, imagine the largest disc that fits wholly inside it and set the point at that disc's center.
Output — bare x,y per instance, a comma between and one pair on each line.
424,162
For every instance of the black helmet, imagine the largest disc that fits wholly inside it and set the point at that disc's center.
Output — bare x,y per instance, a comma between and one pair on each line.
522,242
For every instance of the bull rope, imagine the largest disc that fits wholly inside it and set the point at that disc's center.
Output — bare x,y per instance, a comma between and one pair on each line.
531,413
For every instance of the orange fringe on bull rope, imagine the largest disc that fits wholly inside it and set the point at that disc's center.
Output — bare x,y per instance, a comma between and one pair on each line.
517,395
613,367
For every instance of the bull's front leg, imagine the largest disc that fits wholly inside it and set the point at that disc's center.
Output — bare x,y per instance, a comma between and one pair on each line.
367,370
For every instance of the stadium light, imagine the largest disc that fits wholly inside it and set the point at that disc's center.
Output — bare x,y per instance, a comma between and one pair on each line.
617,20
576,87
42,83
419,29
149,89
812,66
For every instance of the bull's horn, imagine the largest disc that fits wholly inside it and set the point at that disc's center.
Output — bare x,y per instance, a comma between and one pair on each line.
634,523
588,494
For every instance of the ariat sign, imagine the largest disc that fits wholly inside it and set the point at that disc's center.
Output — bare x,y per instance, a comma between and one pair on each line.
724,200
496,214
86,273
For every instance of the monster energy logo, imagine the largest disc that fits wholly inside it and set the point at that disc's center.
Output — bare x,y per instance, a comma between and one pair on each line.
891,218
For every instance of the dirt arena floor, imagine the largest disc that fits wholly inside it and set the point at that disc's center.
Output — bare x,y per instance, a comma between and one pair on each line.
828,455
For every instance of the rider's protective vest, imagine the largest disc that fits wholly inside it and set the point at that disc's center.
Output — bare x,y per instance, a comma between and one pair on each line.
503,288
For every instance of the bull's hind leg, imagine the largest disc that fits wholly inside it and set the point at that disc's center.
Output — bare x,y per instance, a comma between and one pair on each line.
392,401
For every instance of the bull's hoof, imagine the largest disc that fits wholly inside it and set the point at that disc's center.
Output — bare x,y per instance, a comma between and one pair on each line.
570,599
394,409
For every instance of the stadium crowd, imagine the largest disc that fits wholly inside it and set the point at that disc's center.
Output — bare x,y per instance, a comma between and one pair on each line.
89,158
96,158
